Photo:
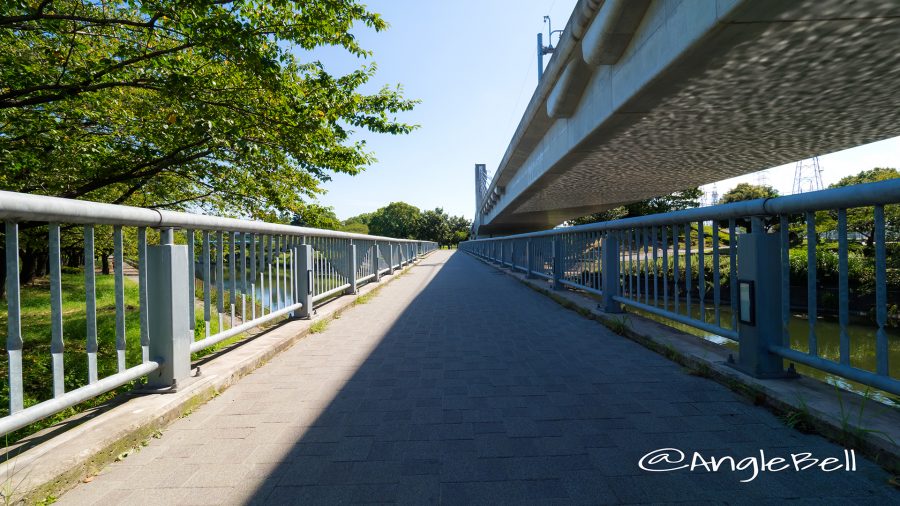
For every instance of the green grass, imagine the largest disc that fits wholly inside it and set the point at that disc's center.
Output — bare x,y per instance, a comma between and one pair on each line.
319,326
36,358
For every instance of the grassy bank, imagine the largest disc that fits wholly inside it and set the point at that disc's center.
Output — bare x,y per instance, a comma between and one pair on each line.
36,357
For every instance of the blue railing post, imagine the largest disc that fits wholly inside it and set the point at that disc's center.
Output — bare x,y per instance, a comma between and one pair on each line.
609,271
759,303
557,262
375,252
390,259
304,255
528,257
170,333
351,256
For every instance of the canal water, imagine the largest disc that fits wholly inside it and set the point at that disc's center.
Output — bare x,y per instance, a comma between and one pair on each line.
862,346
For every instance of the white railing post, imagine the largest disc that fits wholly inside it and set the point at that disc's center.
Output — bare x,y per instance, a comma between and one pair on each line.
528,257
390,258
609,271
170,333
304,255
352,258
376,252
557,262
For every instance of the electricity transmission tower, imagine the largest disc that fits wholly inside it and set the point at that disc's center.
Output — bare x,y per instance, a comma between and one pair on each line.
808,176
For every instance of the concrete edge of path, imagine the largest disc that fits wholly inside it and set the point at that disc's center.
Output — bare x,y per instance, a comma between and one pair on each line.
810,404
100,436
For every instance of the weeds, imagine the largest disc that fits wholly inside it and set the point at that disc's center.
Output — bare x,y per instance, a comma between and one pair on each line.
619,324
856,431
799,419
319,326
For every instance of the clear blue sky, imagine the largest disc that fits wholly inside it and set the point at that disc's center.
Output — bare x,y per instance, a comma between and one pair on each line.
473,66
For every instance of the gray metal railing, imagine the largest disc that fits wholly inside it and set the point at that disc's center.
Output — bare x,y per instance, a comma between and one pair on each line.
726,270
249,273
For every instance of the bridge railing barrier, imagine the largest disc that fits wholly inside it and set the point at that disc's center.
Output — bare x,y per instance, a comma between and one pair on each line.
180,271
728,270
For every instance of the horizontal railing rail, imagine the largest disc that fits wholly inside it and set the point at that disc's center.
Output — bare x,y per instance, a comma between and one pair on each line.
733,270
205,280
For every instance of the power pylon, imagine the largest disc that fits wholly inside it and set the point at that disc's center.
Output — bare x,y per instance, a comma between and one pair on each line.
808,176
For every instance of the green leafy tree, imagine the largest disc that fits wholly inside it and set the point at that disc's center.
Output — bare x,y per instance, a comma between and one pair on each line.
397,219
188,104
184,104
459,229
355,227
358,224
434,226
316,216
747,191
862,219
676,201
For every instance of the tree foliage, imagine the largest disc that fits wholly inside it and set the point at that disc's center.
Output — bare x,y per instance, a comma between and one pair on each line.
434,226
676,201
317,216
862,219
397,219
747,191
402,220
186,103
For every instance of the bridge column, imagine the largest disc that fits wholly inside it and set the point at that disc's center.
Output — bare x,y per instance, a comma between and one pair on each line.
304,255
759,297
609,271
351,256
168,309
557,262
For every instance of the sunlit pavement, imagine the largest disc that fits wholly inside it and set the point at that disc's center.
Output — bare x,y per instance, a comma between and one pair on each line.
457,384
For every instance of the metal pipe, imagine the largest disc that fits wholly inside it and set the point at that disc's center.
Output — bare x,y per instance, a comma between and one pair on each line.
38,411
329,293
885,383
19,207
712,329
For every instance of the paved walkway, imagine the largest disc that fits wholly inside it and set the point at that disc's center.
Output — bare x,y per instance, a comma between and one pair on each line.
458,385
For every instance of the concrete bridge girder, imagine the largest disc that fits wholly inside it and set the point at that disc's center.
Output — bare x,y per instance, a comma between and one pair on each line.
703,91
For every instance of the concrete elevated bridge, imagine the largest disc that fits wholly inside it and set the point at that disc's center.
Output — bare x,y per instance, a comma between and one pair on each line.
642,98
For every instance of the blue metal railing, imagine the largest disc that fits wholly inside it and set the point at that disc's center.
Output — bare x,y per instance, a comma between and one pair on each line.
683,266
249,274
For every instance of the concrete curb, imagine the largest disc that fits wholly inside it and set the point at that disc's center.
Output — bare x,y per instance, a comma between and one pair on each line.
813,405
96,438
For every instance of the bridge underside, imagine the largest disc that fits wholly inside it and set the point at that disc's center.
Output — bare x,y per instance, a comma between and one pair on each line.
769,87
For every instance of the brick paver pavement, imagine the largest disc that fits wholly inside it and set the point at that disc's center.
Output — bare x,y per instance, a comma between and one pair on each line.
455,385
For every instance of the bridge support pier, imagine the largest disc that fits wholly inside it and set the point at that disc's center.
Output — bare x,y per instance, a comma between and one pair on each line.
609,271
168,309
759,291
